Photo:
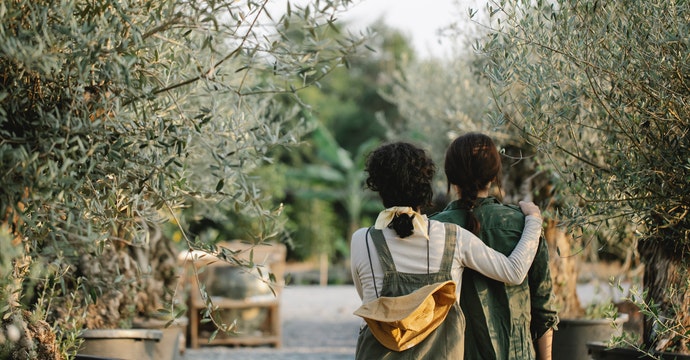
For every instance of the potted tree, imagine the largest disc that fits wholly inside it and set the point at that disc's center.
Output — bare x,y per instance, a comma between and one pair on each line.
577,79
112,118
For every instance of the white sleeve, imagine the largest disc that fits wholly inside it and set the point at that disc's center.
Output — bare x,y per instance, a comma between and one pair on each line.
355,262
511,270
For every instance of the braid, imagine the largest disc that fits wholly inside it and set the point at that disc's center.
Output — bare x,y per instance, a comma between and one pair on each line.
469,202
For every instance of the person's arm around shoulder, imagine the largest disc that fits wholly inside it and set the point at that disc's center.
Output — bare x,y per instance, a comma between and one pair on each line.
512,269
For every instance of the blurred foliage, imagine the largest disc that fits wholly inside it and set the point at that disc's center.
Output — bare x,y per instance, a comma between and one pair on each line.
319,183
349,117
439,100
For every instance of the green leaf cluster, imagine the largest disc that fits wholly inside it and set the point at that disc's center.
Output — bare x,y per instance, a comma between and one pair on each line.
114,115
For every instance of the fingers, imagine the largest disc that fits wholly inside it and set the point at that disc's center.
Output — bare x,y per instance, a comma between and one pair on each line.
529,208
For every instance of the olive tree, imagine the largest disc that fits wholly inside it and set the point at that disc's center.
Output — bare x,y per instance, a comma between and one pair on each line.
600,89
115,114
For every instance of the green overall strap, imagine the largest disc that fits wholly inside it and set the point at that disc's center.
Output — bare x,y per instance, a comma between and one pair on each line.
384,253
449,248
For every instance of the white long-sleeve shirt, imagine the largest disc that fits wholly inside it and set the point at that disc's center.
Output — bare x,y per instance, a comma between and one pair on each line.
409,256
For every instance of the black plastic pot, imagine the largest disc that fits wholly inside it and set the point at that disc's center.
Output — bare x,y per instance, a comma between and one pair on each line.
570,341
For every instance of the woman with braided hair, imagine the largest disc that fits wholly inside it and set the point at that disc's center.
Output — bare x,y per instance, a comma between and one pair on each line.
405,251
503,321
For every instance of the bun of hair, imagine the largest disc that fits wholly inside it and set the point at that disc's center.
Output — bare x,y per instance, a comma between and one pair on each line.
402,224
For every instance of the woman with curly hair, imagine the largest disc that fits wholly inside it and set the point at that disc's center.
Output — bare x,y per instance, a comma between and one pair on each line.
405,251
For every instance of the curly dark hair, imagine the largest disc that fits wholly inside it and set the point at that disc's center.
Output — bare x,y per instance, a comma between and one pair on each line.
402,174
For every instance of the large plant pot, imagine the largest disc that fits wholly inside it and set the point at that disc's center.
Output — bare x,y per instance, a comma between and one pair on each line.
570,341
173,343
599,351
125,344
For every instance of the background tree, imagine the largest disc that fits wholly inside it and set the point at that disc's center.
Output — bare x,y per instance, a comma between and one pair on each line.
349,117
439,100
349,103
600,89
347,114
334,180
343,115
113,113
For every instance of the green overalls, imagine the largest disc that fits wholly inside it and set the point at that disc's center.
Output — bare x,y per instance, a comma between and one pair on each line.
447,340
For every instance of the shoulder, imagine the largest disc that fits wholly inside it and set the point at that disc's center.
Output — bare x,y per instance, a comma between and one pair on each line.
358,248
442,216
452,213
360,232
503,210
359,236
442,227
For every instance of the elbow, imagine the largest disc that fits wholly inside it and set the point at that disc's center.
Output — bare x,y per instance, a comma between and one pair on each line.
513,282
516,280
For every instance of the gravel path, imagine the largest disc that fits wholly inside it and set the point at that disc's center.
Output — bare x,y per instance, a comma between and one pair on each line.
318,324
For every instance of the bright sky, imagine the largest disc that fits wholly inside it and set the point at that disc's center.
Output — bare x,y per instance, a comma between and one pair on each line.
419,20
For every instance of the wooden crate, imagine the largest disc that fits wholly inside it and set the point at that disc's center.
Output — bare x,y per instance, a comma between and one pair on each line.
269,259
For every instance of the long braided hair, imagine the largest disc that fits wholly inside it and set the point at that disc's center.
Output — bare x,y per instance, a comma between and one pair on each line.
472,162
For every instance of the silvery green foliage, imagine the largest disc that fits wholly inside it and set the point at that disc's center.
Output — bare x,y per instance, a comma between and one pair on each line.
110,109
440,100
600,88
114,112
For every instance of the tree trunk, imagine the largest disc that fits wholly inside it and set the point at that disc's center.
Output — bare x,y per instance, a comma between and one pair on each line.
563,267
522,182
668,287
323,269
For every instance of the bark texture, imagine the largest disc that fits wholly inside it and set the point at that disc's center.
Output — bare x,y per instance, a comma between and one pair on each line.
668,289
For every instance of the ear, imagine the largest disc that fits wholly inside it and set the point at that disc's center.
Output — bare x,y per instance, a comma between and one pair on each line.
456,190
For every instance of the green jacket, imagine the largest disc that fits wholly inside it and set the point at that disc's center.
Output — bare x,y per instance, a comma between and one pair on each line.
502,320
